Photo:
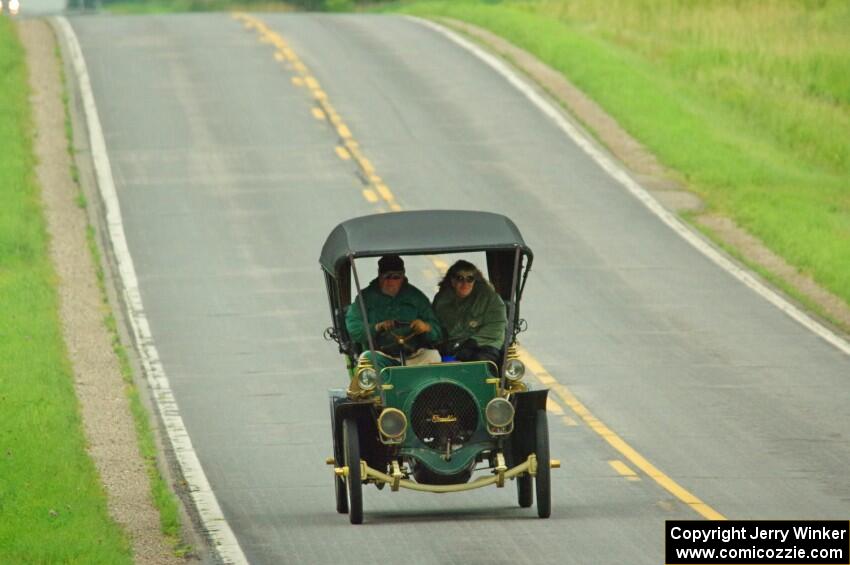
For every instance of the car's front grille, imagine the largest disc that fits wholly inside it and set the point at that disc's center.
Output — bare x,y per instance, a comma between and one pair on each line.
444,413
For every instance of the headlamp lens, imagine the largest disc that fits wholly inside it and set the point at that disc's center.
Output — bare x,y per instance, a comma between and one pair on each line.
392,423
367,378
514,369
499,413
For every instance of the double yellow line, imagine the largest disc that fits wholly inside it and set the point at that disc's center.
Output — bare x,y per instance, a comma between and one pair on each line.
377,192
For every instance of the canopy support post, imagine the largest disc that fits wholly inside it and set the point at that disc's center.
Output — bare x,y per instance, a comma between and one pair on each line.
359,299
513,309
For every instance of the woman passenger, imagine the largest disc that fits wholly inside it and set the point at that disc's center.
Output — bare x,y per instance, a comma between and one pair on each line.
472,314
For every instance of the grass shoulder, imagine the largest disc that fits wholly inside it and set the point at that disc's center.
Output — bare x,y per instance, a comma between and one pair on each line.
747,103
52,505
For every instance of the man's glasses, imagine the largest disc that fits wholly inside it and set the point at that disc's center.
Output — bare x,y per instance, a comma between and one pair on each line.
464,279
392,277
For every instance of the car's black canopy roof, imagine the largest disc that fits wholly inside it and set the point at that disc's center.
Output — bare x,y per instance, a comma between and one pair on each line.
418,233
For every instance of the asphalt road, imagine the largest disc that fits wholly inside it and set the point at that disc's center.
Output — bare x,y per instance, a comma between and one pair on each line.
37,8
229,184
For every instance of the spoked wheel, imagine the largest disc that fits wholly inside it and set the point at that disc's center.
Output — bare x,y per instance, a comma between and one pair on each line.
542,481
524,492
351,443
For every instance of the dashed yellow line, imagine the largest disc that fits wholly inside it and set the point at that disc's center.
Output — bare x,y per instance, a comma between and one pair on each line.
553,407
304,77
385,192
624,470
343,153
546,379
569,421
441,265
620,445
317,113
343,131
377,188
368,168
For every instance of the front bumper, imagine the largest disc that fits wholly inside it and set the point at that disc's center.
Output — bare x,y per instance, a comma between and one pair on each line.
395,480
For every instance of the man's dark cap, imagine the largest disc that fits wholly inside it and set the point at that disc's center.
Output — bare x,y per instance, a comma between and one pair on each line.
389,263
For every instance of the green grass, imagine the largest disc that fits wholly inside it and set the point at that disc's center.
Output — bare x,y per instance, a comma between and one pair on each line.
748,101
52,506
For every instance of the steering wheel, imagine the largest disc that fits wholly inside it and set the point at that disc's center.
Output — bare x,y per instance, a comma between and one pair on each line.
401,340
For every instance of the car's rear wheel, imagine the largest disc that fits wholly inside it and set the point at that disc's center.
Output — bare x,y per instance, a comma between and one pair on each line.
542,481
351,441
524,491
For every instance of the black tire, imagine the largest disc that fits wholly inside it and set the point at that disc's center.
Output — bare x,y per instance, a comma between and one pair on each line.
340,491
341,495
542,481
524,491
351,441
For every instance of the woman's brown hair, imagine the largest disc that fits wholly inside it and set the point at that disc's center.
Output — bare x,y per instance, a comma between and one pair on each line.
460,265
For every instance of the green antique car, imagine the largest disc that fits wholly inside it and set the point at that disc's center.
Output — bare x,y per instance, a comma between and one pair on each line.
431,427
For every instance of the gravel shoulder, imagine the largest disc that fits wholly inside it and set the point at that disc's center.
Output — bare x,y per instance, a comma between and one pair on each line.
104,405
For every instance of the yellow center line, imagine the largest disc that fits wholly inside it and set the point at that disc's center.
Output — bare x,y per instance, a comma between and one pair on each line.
624,470
430,274
620,445
304,77
568,421
343,153
317,113
385,192
441,265
553,407
542,375
343,132
368,168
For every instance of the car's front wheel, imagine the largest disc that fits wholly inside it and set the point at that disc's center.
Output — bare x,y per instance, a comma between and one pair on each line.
524,492
351,441
542,481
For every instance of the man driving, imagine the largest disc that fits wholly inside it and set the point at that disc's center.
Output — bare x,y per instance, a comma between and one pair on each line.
395,309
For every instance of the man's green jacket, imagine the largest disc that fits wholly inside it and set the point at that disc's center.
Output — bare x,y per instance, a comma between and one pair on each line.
408,305
480,316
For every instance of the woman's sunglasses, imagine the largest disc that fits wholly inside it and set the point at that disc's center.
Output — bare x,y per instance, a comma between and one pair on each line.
464,279
392,277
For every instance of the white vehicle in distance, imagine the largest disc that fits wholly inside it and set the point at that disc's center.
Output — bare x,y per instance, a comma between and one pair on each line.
14,7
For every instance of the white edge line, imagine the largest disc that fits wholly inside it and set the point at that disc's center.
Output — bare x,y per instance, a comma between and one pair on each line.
640,193
212,518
